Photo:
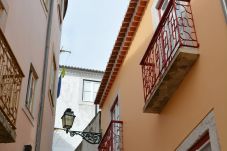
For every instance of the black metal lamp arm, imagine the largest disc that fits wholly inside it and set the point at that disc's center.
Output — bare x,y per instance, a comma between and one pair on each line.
90,137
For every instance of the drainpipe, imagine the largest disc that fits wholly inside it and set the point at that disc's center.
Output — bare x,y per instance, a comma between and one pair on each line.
45,68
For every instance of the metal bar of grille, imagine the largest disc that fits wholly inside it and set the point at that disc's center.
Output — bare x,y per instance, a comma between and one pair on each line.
10,81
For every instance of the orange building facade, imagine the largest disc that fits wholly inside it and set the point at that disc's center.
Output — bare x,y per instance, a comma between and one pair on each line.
30,33
165,82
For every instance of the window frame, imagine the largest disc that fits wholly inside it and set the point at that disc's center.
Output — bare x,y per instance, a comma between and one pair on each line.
93,81
60,9
115,109
52,92
207,125
224,6
201,143
29,102
159,5
46,5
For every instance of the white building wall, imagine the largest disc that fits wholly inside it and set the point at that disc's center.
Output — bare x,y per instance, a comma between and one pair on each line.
93,126
71,97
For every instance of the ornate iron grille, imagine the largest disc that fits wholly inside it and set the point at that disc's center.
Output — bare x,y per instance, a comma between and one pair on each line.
113,138
176,29
10,82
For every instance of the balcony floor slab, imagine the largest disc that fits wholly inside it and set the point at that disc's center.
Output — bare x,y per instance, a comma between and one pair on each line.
171,79
7,133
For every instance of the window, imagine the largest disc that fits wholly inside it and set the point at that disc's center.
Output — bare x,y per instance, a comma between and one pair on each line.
52,80
115,111
203,144
115,116
161,6
46,3
90,89
60,10
203,137
32,78
224,4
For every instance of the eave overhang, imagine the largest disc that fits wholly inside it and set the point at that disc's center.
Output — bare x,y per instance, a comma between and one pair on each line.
123,42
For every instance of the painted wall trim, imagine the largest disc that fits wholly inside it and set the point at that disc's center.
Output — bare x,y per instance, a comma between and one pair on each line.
207,124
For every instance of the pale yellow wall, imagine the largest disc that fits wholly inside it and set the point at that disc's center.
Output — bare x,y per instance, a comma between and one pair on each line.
25,31
202,90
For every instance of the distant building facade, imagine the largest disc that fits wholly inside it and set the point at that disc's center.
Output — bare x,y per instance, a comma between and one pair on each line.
78,91
30,33
93,126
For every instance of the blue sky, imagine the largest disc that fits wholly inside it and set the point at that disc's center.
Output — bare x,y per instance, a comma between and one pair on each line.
89,31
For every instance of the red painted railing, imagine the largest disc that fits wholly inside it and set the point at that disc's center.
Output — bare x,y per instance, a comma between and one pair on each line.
10,82
176,29
113,138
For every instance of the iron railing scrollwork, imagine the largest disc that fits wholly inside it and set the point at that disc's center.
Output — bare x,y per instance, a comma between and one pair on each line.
176,29
90,137
10,82
113,138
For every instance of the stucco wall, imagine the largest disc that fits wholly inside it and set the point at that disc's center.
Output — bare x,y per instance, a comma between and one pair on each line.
202,90
93,126
71,97
25,31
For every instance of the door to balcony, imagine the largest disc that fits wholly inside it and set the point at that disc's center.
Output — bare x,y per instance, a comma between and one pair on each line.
113,137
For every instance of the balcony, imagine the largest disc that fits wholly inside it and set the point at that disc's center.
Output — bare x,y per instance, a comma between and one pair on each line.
10,85
169,56
113,138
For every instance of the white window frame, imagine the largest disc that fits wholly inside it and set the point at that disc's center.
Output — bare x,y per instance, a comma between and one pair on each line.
92,92
207,124
31,88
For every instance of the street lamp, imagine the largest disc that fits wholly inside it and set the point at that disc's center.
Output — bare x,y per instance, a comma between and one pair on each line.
67,119
67,122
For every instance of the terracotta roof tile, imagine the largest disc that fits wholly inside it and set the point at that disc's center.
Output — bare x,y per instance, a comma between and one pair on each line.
129,26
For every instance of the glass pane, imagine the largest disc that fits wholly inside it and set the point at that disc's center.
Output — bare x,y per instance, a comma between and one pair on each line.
87,96
96,86
164,5
94,95
207,147
87,85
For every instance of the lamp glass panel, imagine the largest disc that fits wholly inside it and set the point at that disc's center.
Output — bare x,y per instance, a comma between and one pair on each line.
69,120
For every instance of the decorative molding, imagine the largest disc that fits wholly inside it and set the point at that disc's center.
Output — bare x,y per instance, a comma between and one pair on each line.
207,124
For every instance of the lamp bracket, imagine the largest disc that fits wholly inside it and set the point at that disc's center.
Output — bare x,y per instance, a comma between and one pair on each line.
90,137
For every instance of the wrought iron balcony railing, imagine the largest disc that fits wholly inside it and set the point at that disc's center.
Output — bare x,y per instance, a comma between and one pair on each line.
175,30
113,138
10,82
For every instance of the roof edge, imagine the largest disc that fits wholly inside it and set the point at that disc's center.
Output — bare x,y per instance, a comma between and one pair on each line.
80,68
123,42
